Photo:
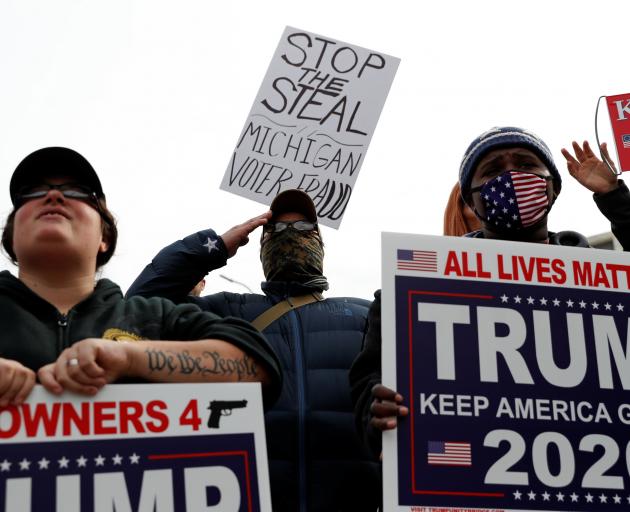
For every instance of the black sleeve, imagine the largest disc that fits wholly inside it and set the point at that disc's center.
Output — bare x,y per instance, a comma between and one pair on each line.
364,374
187,323
615,205
177,268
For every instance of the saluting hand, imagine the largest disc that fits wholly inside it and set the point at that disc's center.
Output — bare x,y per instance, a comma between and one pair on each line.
238,236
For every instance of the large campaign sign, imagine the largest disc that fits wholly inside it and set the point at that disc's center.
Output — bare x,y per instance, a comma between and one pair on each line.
514,360
136,448
311,122
619,111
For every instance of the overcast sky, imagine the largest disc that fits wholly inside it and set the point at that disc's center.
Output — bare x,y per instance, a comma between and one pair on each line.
154,94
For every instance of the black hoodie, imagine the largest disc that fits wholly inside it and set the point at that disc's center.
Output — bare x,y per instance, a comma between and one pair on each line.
34,333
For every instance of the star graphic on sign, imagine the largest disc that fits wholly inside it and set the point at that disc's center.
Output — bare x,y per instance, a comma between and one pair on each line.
25,464
531,495
574,497
619,307
530,300
617,499
556,302
505,210
502,194
514,216
628,498
82,462
582,304
5,465
63,462
517,495
511,200
595,305
603,498
100,460
493,189
570,303
117,460
134,458
504,298
560,496
43,463
589,498
486,197
543,301
546,496
499,178
211,245
607,306
507,184
517,299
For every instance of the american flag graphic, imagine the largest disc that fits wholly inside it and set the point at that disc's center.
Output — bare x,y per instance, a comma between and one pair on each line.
409,259
449,453
626,140
516,199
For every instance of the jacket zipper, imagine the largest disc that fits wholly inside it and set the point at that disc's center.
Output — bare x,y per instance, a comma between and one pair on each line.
62,339
300,374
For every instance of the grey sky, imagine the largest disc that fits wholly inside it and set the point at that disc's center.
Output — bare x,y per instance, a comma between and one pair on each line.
155,94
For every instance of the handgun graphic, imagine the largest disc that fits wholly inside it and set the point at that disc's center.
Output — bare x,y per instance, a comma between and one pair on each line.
220,408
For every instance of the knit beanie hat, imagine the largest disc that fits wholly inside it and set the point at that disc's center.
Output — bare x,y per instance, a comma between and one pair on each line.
504,137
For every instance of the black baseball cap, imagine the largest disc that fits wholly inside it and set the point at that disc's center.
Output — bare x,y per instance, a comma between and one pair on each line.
54,161
294,200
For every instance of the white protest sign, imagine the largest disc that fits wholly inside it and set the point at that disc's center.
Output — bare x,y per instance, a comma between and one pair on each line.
141,447
311,122
514,361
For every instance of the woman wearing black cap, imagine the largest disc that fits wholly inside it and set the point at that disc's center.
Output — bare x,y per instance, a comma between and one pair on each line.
61,326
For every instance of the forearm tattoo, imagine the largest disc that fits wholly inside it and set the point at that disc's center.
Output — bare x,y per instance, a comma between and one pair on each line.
209,363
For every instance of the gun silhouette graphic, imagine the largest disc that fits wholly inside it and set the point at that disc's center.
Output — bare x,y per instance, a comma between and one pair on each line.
220,408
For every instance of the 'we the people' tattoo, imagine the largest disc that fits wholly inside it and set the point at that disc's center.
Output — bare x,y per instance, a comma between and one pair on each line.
209,363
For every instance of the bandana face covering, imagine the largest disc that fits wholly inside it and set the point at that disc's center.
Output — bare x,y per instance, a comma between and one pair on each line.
514,200
292,255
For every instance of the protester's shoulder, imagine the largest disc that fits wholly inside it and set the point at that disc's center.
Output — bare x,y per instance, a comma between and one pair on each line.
157,306
350,302
232,298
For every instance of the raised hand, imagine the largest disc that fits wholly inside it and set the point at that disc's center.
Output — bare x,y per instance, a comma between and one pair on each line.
589,170
238,236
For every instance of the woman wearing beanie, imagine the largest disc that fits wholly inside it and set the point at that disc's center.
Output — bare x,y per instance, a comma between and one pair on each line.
509,179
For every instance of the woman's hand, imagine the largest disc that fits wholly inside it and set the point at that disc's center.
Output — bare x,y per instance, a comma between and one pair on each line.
16,382
86,366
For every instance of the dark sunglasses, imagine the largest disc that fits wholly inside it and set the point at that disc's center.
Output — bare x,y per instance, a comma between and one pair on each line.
298,225
68,190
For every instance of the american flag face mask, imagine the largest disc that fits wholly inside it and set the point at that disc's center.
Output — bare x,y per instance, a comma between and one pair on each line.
514,200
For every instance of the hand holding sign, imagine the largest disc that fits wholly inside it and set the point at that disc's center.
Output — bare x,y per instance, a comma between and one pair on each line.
386,408
86,366
589,170
16,382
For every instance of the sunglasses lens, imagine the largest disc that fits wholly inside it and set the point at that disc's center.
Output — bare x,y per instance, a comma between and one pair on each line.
303,225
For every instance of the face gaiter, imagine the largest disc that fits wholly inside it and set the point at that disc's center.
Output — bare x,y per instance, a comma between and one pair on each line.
293,255
514,200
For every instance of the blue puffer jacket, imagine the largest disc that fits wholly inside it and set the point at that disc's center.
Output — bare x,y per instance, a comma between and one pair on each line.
316,460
